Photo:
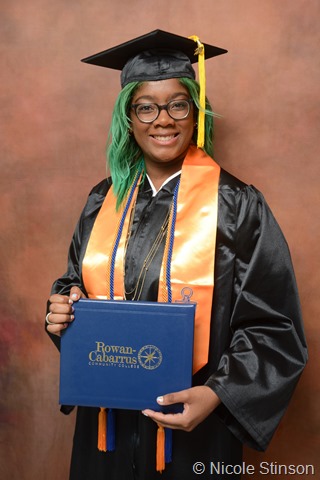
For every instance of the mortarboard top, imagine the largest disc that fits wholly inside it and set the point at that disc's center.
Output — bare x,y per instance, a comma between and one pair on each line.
157,55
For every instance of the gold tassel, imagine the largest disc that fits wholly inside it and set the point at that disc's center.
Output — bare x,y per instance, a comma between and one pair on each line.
202,95
102,430
160,460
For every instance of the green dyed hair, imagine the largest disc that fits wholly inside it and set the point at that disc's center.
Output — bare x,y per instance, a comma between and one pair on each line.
124,154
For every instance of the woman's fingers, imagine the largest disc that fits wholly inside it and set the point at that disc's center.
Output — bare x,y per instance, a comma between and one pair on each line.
57,328
198,403
76,294
61,311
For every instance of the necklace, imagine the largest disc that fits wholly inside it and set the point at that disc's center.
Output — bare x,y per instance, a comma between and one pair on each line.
137,289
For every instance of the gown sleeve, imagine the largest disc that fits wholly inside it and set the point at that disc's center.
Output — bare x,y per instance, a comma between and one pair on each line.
266,351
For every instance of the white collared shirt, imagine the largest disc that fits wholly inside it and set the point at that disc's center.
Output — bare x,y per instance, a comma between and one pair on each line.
154,190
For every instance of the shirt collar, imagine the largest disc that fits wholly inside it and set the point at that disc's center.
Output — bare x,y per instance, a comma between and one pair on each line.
154,190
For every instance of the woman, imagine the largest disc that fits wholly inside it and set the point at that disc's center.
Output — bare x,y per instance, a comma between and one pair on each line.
249,347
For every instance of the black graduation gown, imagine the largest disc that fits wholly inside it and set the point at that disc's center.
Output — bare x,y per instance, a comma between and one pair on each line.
257,346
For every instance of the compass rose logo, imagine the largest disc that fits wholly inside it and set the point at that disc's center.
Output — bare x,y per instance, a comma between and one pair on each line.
150,357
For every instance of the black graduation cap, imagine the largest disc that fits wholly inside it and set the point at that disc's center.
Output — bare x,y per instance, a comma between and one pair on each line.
157,55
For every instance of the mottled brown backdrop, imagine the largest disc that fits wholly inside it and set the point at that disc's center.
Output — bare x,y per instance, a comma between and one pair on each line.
55,113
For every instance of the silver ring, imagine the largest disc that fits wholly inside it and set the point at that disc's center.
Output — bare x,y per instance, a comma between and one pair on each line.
47,319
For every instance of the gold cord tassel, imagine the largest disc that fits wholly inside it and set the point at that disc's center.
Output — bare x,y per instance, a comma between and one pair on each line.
102,430
164,292
202,96
160,460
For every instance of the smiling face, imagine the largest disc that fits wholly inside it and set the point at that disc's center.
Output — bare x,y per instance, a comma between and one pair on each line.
165,141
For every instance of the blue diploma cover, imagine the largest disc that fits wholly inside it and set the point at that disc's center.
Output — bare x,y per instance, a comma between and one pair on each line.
122,354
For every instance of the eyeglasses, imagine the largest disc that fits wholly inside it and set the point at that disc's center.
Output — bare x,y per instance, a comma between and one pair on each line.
149,112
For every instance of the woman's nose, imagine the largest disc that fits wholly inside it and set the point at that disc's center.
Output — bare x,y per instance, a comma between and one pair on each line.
164,118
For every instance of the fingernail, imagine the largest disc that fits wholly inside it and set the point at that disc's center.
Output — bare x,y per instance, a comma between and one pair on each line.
74,295
145,414
160,399
70,301
71,317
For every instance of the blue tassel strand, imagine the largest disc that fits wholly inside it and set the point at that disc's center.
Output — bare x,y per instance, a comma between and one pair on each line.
168,445
111,431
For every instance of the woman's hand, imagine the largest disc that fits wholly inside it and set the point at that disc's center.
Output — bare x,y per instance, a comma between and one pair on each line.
61,310
198,403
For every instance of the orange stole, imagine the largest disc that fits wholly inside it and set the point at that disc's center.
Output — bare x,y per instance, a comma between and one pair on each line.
192,263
